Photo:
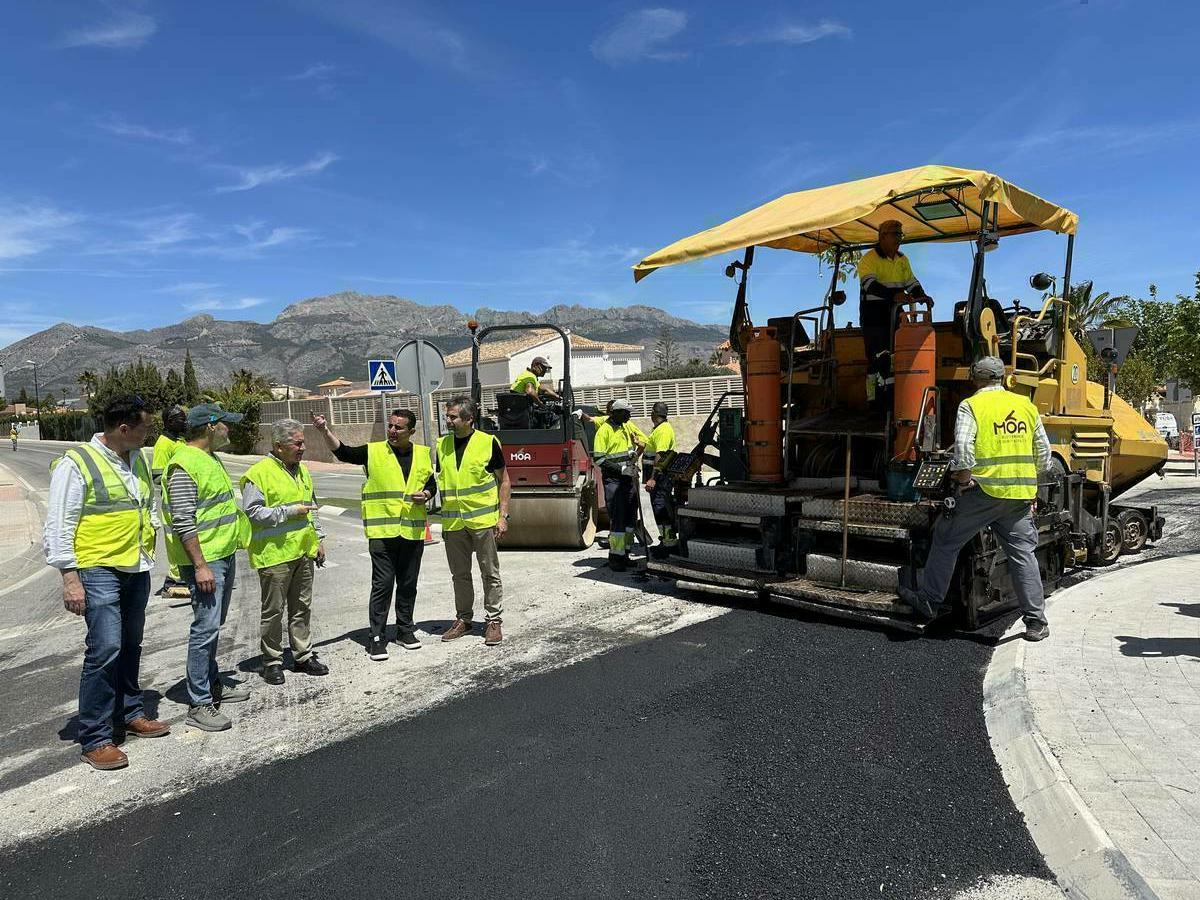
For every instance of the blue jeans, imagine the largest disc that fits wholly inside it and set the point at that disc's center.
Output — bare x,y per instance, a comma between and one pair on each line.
208,615
115,617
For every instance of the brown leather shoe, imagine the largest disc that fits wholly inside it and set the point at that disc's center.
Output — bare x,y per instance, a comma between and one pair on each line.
143,727
105,758
457,630
491,634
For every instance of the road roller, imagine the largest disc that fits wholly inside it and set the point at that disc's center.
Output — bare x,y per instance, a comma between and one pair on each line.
555,503
845,477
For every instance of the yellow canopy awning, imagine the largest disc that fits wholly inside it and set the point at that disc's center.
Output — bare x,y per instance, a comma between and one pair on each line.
849,215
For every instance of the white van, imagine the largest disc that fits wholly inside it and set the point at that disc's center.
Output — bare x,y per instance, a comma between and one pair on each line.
1165,424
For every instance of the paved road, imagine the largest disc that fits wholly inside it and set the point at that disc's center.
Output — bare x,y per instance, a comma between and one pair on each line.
751,755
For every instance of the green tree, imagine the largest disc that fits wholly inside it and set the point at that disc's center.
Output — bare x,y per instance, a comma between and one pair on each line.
666,353
191,387
87,380
23,397
1089,311
172,389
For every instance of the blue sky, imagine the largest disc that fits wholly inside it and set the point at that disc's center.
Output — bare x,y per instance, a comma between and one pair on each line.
161,159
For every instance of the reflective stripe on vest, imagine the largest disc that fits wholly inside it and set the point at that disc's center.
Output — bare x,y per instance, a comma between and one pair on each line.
1005,461
613,445
470,493
114,528
388,507
273,545
221,527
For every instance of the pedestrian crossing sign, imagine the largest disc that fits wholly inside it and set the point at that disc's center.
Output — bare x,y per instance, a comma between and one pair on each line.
381,374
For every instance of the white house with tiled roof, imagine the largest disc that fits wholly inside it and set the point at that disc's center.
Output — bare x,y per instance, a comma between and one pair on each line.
502,359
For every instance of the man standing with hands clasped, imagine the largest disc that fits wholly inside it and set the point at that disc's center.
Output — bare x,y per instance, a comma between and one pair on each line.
399,483
475,494
100,534
286,539
207,530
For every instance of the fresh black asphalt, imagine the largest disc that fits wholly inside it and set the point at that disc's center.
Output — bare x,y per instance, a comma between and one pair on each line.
753,755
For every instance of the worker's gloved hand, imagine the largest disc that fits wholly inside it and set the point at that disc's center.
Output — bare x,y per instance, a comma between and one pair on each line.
578,414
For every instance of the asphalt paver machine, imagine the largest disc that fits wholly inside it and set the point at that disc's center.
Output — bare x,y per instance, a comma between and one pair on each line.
555,501
841,494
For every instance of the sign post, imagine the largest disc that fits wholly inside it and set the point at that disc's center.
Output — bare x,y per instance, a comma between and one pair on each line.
1195,443
421,369
381,376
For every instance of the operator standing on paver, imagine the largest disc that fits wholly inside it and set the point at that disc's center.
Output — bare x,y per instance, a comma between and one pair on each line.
615,449
286,540
475,494
100,533
174,428
207,530
1000,446
885,279
399,483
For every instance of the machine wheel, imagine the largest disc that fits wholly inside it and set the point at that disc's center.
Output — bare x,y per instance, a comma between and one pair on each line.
1135,531
1108,547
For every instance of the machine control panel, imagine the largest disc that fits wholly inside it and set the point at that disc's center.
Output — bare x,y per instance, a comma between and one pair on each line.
931,474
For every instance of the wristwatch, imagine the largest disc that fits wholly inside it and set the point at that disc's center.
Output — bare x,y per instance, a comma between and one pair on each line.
504,514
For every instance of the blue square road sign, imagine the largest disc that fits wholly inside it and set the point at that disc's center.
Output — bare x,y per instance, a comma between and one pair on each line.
381,374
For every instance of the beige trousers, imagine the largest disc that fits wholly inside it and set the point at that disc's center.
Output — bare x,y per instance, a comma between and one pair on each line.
287,586
460,546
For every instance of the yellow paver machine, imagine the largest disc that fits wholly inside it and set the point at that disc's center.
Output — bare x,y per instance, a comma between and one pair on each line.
825,495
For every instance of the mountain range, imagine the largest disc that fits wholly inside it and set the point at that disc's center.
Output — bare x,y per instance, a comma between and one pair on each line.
317,339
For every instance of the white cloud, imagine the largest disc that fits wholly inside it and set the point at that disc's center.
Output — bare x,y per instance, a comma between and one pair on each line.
1114,139
118,126
641,35
189,287
794,33
210,303
314,72
26,230
126,31
250,178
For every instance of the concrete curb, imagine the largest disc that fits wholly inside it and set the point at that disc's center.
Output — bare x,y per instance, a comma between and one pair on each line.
1077,848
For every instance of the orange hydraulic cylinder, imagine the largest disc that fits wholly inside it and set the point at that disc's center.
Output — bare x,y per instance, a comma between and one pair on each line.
914,365
764,411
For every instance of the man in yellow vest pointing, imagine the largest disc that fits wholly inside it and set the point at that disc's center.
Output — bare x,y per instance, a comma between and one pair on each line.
1000,446
399,483
207,530
475,494
100,534
286,540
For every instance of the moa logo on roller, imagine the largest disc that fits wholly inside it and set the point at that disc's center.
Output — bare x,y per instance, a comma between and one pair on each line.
1010,425
521,455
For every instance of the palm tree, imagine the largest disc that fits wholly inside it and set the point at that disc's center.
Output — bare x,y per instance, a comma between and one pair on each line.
1088,311
87,380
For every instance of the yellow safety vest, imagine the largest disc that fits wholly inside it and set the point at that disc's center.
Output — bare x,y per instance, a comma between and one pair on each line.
523,380
1005,461
114,528
660,446
388,507
221,527
614,445
164,449
470,493
891,273
272,545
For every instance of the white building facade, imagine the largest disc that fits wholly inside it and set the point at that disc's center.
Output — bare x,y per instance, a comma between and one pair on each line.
501,361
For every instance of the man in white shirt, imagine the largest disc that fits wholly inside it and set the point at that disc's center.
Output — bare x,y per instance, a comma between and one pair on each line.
100,534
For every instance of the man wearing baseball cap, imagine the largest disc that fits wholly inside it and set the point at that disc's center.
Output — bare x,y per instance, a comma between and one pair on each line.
616,448
1000,446
530,381
206,531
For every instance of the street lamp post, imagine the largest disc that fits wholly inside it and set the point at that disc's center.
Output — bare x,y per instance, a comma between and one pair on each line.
37,400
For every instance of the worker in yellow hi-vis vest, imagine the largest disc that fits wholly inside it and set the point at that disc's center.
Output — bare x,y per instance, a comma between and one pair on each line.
1000,446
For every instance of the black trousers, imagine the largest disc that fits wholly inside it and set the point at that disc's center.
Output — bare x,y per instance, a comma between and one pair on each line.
620,496
662,500
395,565
878,325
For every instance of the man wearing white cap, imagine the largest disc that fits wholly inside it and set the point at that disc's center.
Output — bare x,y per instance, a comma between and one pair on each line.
616,448
1000,446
